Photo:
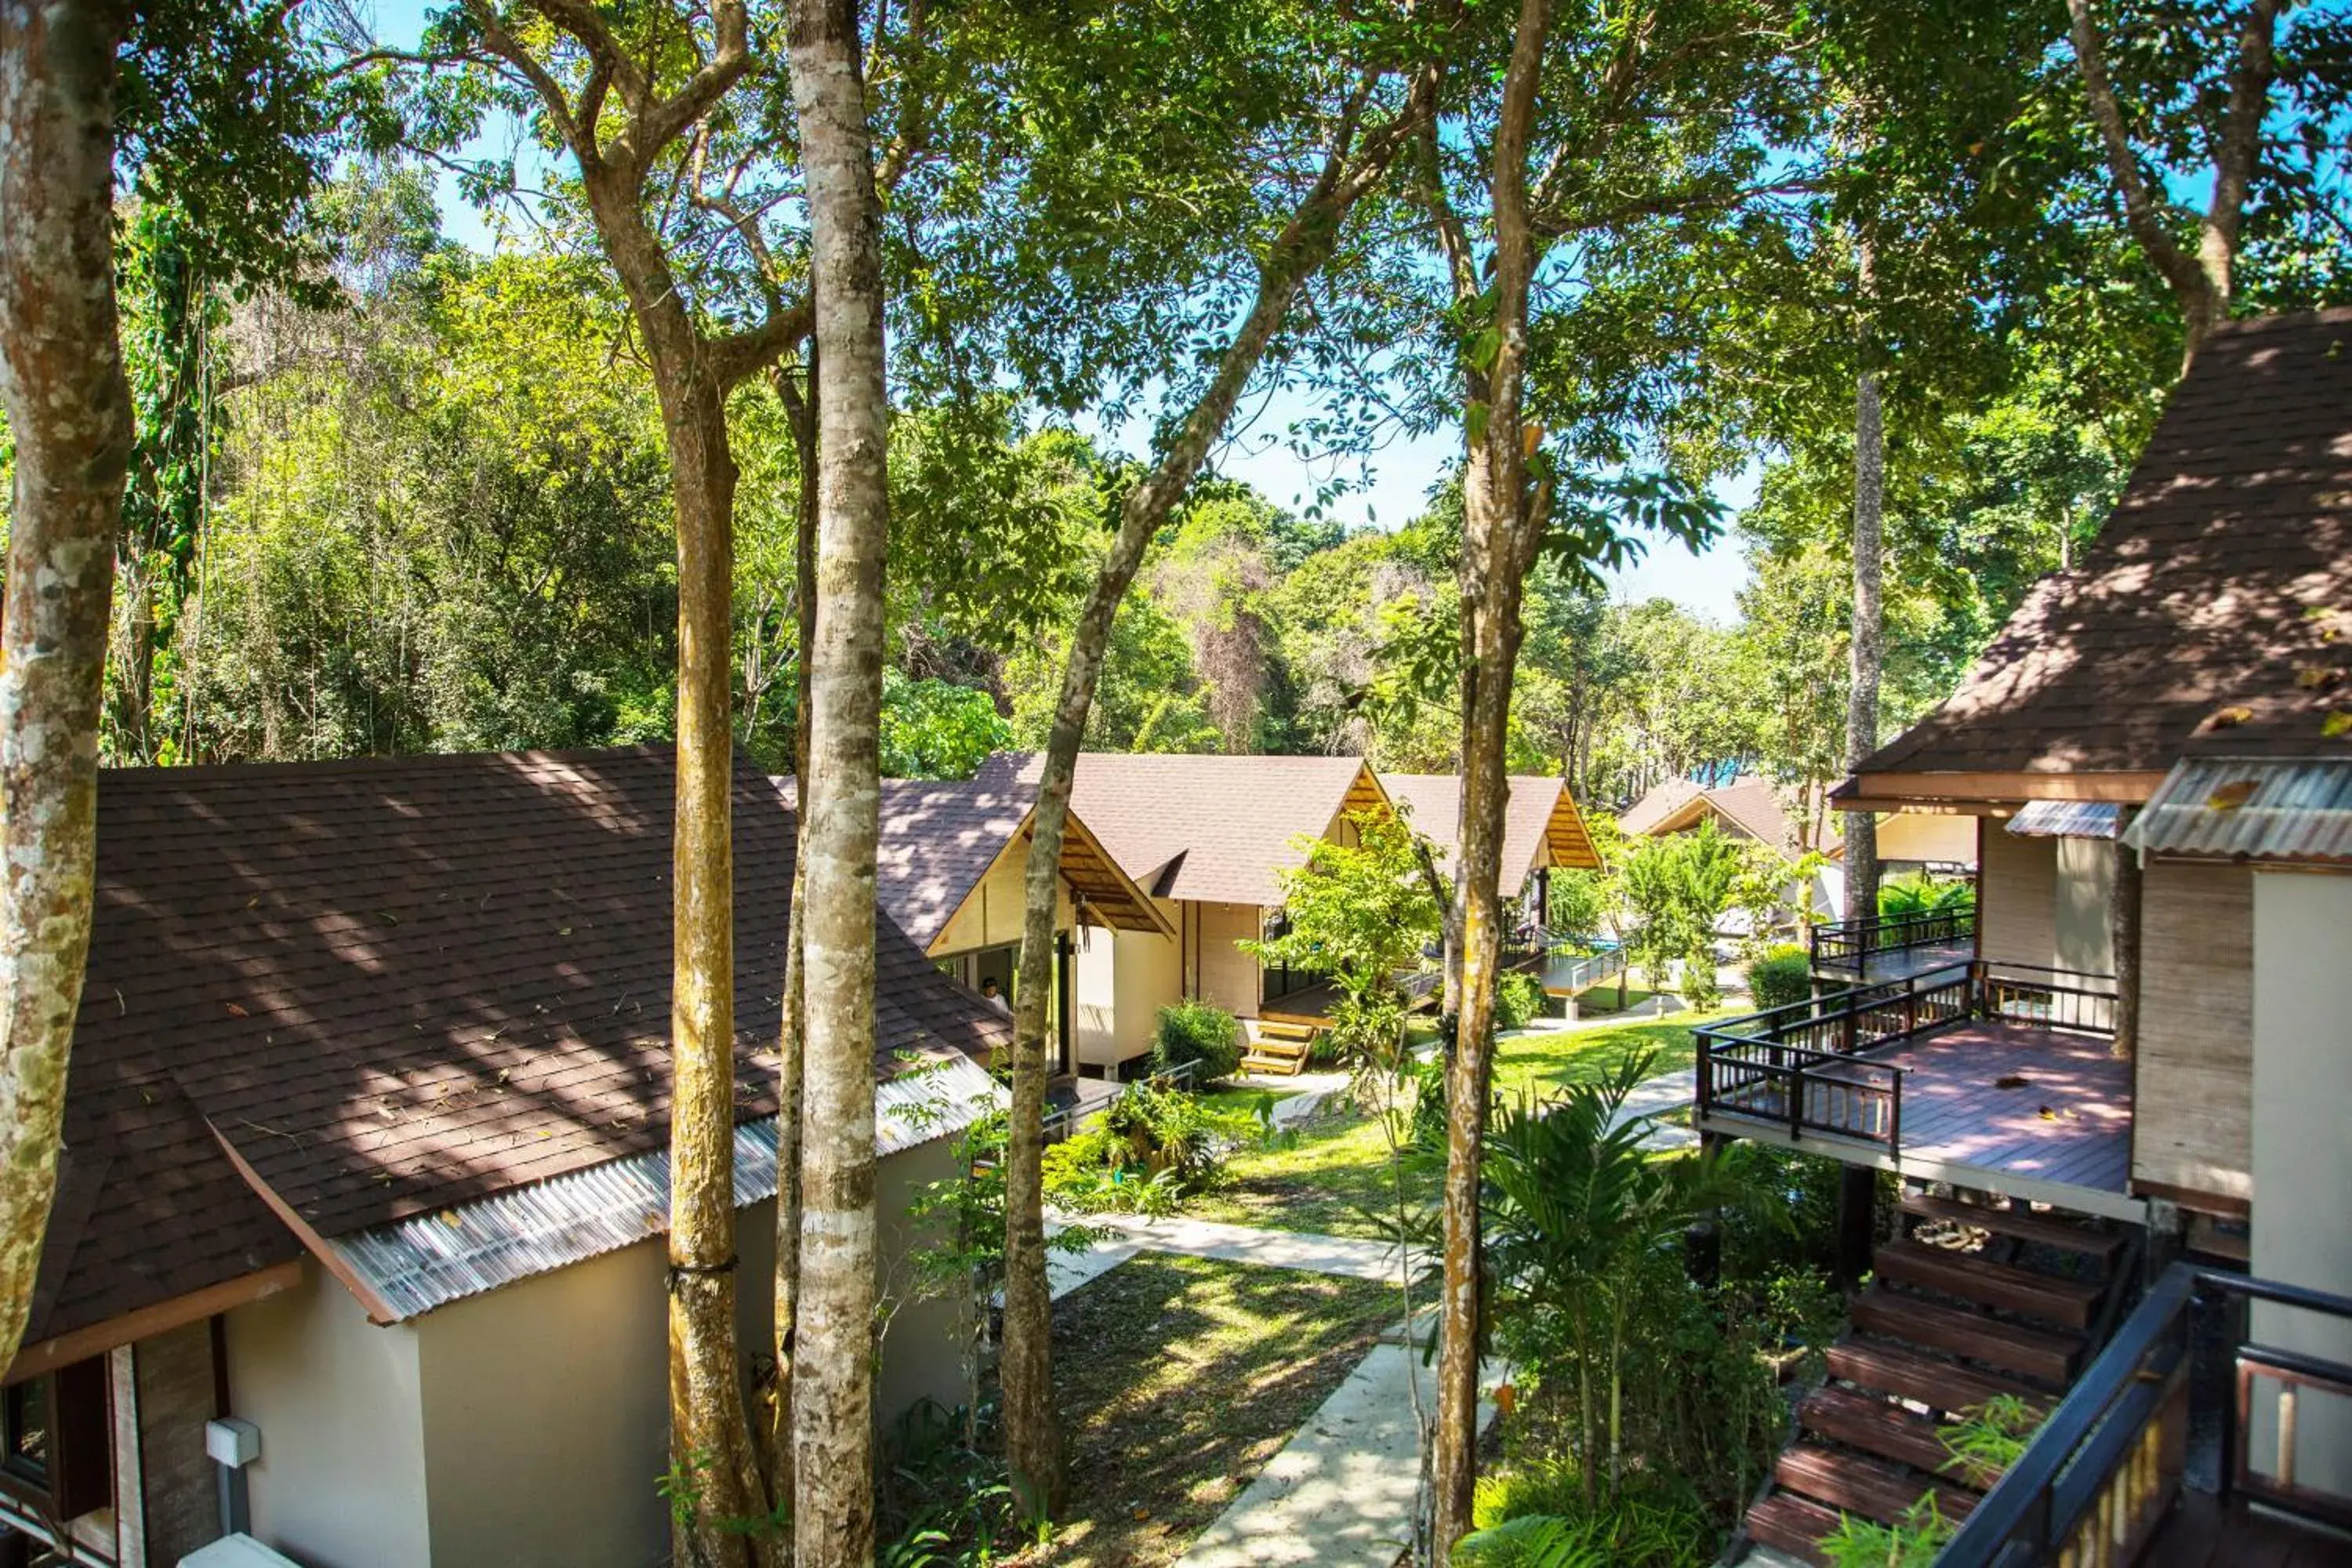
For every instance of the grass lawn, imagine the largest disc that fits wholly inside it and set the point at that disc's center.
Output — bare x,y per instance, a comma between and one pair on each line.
1231,1098
1602,1000
1338,1166
1179,1378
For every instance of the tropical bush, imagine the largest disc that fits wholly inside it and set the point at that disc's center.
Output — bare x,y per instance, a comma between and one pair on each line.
1641,1395
1197,1032
1914,1542
1925,895
1782,975
1537,1518
1517,999
1150,1150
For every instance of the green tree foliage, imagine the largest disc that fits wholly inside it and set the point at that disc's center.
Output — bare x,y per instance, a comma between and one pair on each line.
1360,913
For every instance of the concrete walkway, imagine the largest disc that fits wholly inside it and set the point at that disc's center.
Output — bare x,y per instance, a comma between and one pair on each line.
1341,1493
1343,1255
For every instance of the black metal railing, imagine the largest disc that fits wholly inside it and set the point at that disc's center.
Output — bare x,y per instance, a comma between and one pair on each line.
1063,1121
1849,945
1799,1065
2096,1482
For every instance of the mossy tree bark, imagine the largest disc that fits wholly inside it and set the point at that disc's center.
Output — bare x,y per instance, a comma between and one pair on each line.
68,408
833,1375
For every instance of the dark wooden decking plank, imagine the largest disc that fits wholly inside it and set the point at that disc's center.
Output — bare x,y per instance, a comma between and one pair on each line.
1908,1373
1866,1422
1790,1524
2036,1355
2069,1302
1871,1488
2022,1223
2201,1532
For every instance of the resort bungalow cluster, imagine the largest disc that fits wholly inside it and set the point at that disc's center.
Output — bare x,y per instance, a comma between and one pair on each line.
356,1254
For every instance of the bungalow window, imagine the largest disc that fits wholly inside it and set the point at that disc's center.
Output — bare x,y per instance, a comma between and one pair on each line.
56,1439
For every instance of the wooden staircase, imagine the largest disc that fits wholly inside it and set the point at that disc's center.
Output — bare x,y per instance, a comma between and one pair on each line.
1278,1049
1977,1299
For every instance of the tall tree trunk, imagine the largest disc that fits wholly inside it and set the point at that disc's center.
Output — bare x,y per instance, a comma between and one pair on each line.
616,139
1033,1434
833,1376
1502,526
69,407
708,1422
1866,655
801,413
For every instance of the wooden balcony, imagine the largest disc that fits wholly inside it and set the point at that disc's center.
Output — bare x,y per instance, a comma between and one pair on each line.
1892,947
2105,1479
1987,1076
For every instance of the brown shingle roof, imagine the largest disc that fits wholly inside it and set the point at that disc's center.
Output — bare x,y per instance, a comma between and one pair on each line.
392,986
1662,801
1749,806
939,837
1538,810
2223,576
1216,828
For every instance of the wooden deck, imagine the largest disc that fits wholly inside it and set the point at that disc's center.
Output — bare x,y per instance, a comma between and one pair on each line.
2036,1113
2202,1533
1903,962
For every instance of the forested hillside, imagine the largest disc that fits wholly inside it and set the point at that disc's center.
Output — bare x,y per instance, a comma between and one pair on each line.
430,513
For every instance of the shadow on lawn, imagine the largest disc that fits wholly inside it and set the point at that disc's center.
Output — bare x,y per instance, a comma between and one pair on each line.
1180,1377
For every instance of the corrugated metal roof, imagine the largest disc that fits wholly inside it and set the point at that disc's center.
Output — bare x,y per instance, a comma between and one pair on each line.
2065,819
2241,809
429,1260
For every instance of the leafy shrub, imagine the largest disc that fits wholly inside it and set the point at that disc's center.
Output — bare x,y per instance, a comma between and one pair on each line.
1784,974
1519,998
1152,1149
1916,1543
1923,895
1991,1436
1537,1518
1197,1032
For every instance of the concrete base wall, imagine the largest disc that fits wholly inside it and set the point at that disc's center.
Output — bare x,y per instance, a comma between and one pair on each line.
526,1428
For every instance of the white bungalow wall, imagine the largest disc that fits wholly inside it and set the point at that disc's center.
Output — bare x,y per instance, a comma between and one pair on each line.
1122,980
341,1479
2302,1159
524,1427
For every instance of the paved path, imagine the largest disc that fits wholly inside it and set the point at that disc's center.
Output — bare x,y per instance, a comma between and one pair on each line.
1340,1494
1127,1235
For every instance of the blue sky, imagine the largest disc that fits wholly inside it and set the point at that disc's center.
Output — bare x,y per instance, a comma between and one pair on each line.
1386,489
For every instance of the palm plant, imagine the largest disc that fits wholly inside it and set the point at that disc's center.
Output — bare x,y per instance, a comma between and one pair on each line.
1576,1208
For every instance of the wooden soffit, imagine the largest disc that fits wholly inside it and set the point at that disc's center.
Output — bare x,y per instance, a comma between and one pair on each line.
1986,794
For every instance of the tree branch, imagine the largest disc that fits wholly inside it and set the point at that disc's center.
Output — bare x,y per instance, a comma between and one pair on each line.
2140,211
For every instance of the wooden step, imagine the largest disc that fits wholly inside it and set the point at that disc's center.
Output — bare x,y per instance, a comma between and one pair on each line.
2022,1223
1268,1030
2071,1302
1279,1067
1871,1488
1266,1048
1909,1373
2035,1353
1871,1424
1786,1522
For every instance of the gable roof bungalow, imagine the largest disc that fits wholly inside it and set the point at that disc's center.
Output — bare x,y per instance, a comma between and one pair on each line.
1542,830
2155,1024
1208,838
1746,807
950,871
366,1149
